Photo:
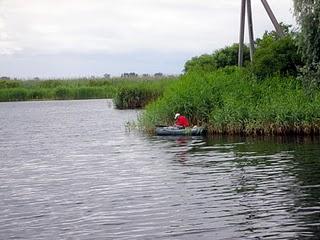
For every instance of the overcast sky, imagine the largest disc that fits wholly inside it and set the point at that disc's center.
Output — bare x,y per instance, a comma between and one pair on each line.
71,38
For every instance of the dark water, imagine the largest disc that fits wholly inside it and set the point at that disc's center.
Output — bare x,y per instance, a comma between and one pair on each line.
71,170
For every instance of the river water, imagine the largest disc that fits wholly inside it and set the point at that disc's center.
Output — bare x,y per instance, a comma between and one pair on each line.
72,170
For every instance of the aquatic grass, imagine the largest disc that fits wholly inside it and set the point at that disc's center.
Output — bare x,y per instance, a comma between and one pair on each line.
13,94
231,101
38,94
194,95
282,107
9,84
132,95
129,93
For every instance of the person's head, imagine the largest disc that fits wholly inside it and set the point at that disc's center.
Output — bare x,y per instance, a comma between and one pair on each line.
177,115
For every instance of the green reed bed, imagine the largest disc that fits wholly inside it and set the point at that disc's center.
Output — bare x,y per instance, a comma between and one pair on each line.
58,93
138,91
138,94
55,89
231,101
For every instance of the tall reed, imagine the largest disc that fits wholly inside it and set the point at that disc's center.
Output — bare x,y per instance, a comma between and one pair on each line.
128,93
231,101
132,95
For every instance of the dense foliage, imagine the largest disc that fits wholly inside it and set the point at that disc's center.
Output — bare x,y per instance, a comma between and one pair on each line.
230,101
273,55
134,95
307,13
265,97
221,58
276,56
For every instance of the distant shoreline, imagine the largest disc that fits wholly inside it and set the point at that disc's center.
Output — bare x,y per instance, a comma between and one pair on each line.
78,89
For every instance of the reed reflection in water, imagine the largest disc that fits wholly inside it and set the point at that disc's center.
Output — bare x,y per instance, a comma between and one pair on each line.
71,170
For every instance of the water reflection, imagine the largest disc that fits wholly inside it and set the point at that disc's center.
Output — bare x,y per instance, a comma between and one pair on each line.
181,146
71,170
275,180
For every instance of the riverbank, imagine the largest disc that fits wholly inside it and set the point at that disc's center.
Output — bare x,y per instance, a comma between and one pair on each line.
233,101
126,92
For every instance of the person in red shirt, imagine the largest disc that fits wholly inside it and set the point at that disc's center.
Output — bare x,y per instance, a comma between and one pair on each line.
181,121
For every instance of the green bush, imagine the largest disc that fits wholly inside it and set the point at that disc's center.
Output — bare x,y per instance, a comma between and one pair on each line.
221,58
276,56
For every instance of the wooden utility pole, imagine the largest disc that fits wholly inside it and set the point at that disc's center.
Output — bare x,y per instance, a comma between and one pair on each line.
250,27
273,18
244,4
241,38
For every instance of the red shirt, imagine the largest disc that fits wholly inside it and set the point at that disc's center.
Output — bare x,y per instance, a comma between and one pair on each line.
182,121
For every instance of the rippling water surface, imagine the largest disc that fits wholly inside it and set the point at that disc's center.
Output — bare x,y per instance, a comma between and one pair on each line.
71,170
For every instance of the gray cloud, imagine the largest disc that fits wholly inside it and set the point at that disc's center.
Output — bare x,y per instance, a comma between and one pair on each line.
185,27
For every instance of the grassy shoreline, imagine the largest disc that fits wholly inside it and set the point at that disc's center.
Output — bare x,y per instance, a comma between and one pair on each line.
122,90
231,101
228,101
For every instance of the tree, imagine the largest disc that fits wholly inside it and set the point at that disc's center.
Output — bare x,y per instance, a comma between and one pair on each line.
276,55
106,75
307,13
159,74
221,58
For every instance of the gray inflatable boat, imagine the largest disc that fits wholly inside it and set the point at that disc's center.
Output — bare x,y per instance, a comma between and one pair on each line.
175,131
